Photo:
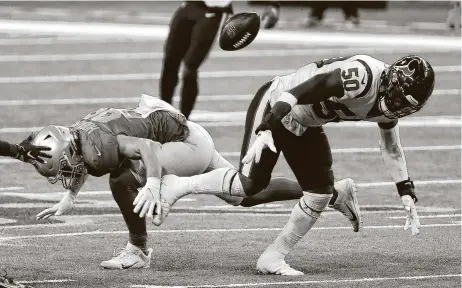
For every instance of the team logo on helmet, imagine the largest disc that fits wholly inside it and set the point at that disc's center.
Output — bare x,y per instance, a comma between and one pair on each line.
408,66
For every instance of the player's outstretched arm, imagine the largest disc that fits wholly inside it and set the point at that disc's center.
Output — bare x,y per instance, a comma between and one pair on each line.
66,203
393,156
147,150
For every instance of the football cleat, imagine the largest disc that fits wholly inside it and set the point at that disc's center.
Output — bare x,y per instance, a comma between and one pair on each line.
171,189
347,202
267,265
9,282
131,257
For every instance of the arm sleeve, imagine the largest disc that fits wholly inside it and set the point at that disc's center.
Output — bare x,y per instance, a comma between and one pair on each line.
7,149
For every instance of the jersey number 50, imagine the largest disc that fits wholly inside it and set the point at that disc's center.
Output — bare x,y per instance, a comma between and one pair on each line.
350,84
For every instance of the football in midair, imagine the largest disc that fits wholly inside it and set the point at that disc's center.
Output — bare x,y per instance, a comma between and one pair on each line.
239,31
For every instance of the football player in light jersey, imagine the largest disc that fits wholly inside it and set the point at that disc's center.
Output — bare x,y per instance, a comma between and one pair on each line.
287,114
135,147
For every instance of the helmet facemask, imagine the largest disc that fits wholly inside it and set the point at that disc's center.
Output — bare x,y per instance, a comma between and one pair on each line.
393,101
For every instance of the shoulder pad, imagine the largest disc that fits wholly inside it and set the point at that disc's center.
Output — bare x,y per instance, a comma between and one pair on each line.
100,151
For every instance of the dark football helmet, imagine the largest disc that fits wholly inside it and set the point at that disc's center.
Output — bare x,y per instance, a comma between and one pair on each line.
65,164
405,86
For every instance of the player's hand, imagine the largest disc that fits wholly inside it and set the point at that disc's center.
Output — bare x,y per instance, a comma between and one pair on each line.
270,17
148,198
29,153
412,219
264,139
64,206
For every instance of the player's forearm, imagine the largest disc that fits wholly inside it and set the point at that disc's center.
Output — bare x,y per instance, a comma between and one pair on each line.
77,185
393,154
7,149
149,151
314,90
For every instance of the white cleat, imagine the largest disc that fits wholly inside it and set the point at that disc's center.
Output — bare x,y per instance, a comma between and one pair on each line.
347,202
131,257
171,190
269,265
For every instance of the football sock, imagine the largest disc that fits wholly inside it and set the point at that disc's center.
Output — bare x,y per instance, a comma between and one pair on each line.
139,241
304,215
279,189
216,182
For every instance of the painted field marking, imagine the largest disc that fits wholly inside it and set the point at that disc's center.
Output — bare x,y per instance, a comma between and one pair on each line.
176,98
264,36
215,54
428,216
11,188
47,281
307,282
335,151
156,76
224,230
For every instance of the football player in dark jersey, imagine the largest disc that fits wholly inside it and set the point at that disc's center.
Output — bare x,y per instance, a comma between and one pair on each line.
135,147
287,115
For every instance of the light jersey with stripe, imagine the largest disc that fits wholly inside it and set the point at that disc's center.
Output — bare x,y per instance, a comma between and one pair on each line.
360,77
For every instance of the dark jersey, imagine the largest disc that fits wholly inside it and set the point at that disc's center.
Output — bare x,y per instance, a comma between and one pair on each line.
154,119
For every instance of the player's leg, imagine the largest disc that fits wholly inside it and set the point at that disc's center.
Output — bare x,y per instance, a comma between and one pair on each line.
228,181
310,159
175,48
202,38
124,186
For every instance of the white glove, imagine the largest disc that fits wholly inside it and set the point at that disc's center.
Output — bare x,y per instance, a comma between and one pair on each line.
264,139
64,206
412,217
148,198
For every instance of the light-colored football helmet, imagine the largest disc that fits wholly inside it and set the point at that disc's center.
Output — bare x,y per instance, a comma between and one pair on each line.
65,164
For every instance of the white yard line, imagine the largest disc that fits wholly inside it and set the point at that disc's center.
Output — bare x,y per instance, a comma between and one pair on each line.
249,53
119,100
308,282
264,36
156,76
335,151
226,119
428,216
224,230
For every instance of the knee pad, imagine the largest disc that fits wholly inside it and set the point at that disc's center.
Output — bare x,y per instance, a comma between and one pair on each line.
233,182
314,203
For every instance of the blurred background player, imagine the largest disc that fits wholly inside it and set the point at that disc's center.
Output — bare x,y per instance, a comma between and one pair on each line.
453,20
350,10
24,151
192,33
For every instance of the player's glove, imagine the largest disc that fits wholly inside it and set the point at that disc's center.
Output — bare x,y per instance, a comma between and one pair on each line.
264,139
64,206
411,213
29,153
148,198
408,197
270,17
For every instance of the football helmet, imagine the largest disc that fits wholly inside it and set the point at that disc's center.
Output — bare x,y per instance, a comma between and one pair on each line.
66,163
405,86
